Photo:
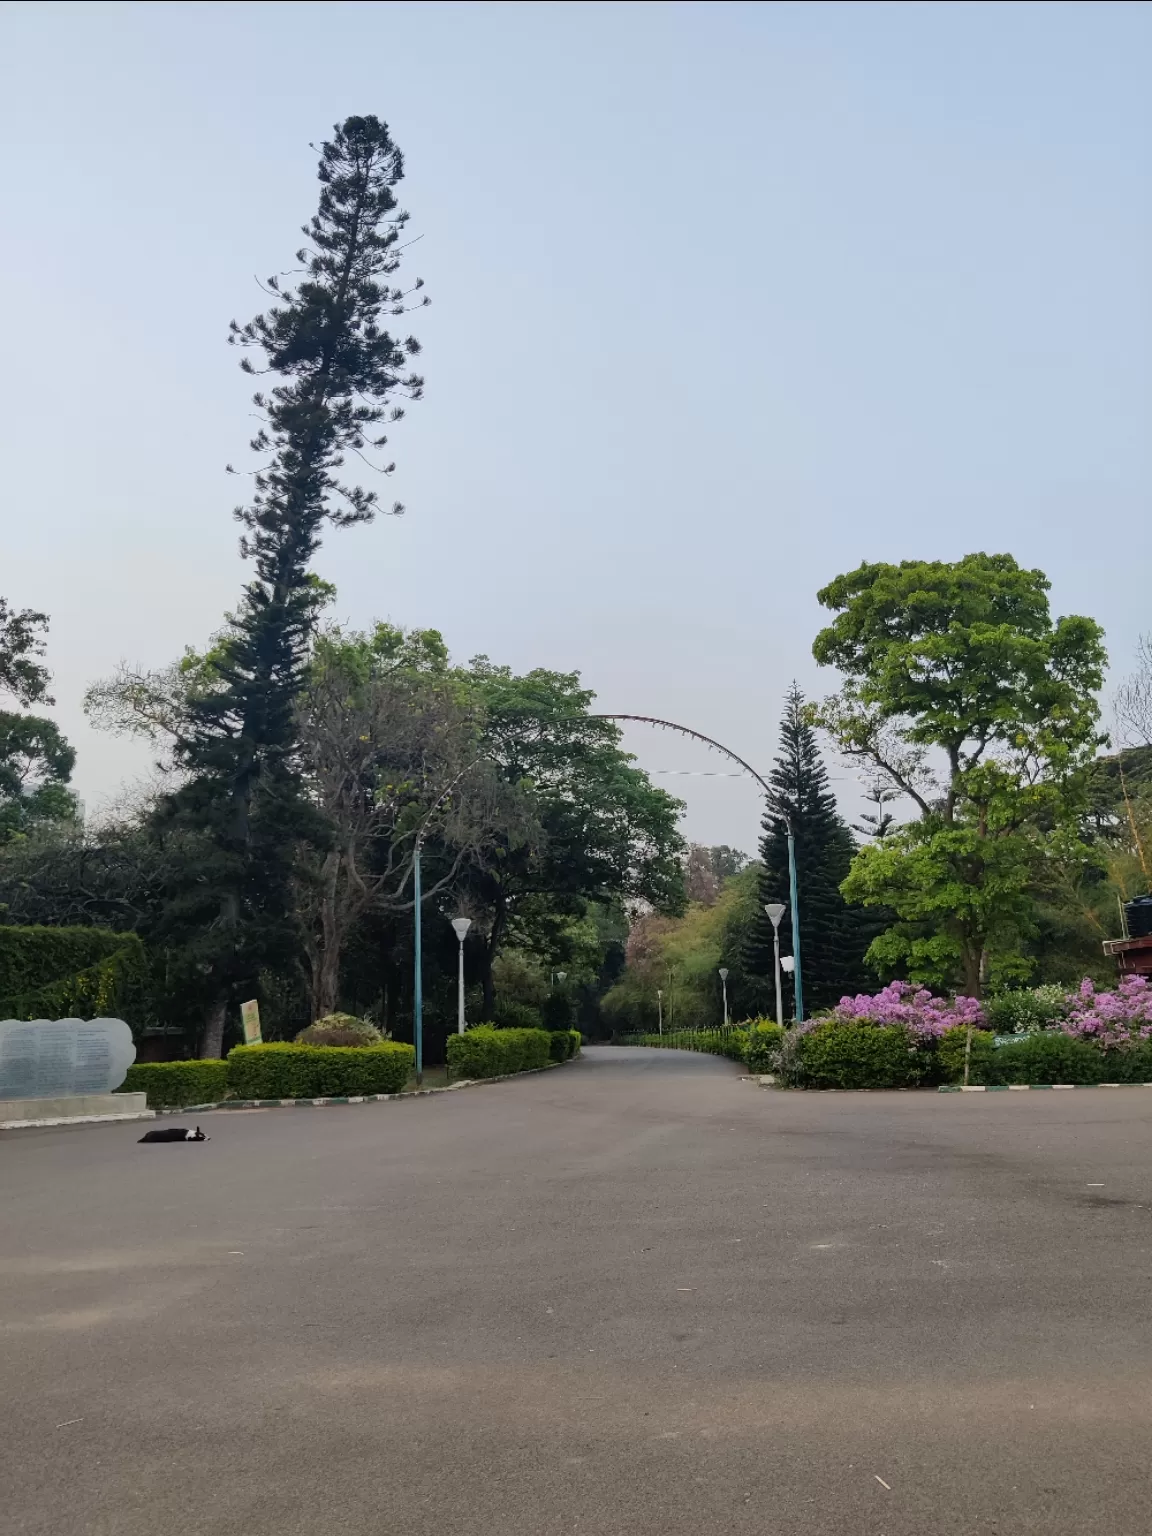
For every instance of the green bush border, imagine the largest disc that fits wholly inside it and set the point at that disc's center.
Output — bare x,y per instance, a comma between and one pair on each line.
283,1071
485,1051
173,1084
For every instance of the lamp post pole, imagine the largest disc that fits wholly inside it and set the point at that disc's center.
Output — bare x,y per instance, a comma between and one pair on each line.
659,1011
724,985
418,971
795,901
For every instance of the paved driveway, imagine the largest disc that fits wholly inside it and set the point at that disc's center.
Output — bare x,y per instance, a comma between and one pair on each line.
634,1295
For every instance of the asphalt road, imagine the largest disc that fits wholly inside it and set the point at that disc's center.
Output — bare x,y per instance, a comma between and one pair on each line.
635,1295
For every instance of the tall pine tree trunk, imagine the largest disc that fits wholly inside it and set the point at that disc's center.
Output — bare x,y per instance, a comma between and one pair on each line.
212,1039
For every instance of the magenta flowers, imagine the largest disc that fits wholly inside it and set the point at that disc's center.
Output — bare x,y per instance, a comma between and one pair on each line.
1113,1019
923,1015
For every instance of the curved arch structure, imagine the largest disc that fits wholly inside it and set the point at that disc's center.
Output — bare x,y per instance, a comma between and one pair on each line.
718,746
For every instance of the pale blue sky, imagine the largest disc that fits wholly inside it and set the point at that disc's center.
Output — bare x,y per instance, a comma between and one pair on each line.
725,299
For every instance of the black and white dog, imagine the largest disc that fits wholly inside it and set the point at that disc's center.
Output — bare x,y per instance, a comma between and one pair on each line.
175,1133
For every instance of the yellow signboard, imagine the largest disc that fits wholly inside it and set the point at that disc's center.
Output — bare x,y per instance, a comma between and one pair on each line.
250,1015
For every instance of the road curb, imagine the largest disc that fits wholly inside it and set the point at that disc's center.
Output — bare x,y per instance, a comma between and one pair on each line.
1033,1087
32,1125
358,1098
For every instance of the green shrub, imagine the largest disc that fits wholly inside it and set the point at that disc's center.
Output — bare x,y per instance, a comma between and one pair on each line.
762,1049
487,1052
563,1044
557,1011
172,1084
950,1055
1052,1057
851,1055
341,1029
1025,1012
559,1044
514,1015
57,973
318,1072
1131,1065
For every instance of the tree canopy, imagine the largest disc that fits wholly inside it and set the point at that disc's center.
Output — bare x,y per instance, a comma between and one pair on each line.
964,695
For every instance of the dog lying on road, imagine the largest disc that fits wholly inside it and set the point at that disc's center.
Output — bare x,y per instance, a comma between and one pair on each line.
175,1133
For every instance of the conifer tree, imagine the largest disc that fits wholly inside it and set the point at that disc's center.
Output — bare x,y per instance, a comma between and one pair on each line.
337,368
832,934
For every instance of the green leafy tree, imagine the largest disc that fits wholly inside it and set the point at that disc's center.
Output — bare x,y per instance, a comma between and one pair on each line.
965,696
706,869
595,829
35,767
35,760
238,748
832,934
21,642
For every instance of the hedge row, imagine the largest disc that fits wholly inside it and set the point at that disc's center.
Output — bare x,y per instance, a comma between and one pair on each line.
862,1055
318,1071
563,1044
489,1052
277,1071
756,1044
172,1084
1052,1057
57,973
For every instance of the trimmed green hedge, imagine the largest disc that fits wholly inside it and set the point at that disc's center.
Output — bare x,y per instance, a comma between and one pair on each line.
1054,1058
172,1084
731,1042
563,1044
488,1052
317,1071
762,1051
57,973
836,1055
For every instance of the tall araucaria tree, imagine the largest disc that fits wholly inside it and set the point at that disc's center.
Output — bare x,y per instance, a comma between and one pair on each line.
338,370
833,935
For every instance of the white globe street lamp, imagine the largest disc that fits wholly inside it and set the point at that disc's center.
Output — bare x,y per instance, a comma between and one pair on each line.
724,984
460,926
775,911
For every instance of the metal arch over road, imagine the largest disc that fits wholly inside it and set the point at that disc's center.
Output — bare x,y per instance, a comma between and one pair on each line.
793,892
686,730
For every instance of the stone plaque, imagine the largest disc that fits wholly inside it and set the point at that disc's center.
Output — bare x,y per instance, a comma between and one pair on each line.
53,1058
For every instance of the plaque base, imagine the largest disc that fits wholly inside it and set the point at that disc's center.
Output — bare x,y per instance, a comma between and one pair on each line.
74,1109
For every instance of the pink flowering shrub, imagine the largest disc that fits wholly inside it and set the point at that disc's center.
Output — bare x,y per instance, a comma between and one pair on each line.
924,1016
1113,1020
